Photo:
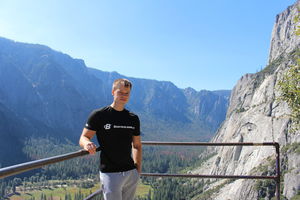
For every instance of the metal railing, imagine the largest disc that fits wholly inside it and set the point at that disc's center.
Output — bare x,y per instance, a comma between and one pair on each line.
17,169
275,178
23,167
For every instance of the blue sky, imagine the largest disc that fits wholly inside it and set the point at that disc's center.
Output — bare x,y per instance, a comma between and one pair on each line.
203,44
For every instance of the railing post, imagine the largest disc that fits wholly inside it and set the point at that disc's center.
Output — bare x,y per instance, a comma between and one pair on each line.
277,171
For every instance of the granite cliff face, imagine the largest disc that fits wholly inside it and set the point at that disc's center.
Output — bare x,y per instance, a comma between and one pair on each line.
207,106
255,115
284,38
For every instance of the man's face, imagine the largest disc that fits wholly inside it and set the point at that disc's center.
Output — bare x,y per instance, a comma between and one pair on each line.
121,94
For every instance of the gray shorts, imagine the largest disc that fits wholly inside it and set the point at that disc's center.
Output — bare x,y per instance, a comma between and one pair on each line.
119,185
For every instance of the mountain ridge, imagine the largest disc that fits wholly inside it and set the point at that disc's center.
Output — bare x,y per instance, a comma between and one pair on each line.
50,89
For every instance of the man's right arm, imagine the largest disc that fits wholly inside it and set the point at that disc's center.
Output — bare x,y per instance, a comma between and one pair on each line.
85,140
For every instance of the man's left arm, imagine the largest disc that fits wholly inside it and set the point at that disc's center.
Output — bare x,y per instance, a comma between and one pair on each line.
137,152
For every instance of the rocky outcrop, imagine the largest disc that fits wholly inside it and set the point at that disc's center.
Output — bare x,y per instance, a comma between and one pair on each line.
256,115
291,179
208,106
284,38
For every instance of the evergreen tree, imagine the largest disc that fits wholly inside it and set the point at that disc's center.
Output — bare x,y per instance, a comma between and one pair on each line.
13,187
43,196
2,189
149,195
25,183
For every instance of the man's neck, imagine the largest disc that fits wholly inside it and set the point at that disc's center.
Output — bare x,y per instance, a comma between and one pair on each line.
118,107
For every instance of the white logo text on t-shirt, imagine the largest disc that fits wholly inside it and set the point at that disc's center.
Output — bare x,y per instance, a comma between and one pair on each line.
107,126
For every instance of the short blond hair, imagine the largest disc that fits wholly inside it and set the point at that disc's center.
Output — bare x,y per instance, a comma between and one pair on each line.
122,81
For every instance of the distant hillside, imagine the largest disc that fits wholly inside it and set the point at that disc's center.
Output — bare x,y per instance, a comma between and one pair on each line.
47,93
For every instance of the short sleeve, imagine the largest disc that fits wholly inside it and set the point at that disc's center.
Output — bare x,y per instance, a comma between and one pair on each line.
93,121
137,131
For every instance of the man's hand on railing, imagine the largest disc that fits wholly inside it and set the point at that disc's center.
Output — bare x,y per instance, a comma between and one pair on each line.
90,147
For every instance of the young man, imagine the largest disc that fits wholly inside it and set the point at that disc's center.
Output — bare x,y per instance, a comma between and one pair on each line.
118,133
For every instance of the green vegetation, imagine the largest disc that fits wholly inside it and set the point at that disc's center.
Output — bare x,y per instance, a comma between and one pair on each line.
77,168
297,19
65,192
171,160
296,197
174,188
290,92
208,193
62,192
264,168
292,148
77,177
268,70
265,188
240,110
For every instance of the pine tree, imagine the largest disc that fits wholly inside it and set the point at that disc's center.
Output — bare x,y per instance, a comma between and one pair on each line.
149,195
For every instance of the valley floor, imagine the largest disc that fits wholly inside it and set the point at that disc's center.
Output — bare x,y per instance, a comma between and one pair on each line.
60,192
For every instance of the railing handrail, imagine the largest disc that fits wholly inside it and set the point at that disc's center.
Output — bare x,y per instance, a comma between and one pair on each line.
212,143
16,169
23,167
275,144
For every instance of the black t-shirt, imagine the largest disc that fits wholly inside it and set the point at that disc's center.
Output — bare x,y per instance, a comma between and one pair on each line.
114,130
